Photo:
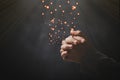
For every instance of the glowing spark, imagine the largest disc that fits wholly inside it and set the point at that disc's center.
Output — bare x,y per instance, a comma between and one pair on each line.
60,19
47,7
65,22
43,1
77,3
63,11
49,24
53,20
51,12
78,14
50,35
68,1
55,9
59,5
51,3
73,7
43,13
74,18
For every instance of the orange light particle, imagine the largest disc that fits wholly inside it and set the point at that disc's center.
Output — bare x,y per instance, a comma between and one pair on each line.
43,13
63,11
47,7
65,22
51,12
74,7
51,3
78,14
68,2
55,9
59,5
77,3
43,1
53,20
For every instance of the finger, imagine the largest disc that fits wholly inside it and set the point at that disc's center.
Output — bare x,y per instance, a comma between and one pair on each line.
74,33
66,46
69,40
63,42
61,50
79,39
64,54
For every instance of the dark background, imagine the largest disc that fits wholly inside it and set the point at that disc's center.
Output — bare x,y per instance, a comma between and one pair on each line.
24,49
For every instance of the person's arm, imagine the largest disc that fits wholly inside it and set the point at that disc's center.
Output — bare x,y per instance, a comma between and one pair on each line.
77,48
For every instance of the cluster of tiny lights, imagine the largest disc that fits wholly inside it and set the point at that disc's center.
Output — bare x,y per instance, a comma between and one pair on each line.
61,16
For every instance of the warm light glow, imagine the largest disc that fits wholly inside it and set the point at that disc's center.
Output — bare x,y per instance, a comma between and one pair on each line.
63,11
55,9
73,7
47,7
53,20
50,35
43,13
78,13
51,3
61,17
77,3
43,1
65,22
68,1
59,5
51,12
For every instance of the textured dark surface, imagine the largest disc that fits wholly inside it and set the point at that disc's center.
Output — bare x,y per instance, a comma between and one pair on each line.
24,39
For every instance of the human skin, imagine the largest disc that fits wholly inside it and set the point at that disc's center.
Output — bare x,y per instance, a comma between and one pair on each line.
75,47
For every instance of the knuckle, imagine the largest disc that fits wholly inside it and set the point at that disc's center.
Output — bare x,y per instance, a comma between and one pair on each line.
83,40
61,50
65,52
63,42
63,47
67,39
